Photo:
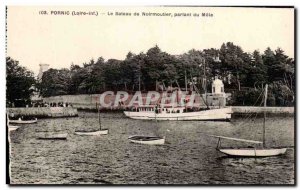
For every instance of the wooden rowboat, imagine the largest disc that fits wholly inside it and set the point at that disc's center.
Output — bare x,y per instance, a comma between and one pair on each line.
149,140
62,136
92,133
20,121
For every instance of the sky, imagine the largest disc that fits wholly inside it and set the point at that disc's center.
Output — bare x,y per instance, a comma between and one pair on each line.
60,40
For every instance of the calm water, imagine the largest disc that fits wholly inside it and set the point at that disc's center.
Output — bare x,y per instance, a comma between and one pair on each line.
188,157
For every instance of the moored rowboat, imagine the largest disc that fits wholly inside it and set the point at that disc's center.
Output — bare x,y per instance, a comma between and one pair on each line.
92,133
62,136
149,140
20,121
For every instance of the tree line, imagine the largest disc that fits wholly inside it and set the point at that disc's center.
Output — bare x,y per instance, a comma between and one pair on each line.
244,74
19,83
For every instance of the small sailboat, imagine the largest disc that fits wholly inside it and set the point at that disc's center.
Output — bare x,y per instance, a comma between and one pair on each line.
251,152
148,140
55,134
20,121
94,133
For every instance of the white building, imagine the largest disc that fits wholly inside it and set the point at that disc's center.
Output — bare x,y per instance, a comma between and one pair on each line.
218,96
36,94
217,87
43,68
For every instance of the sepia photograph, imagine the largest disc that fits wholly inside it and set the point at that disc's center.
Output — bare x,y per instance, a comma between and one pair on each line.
150,95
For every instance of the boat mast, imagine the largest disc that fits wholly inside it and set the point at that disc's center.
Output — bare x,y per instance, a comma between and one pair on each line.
177,92
156,126
204,82
197,91
264,127
99,117
185,80
155,118
204,86
139,82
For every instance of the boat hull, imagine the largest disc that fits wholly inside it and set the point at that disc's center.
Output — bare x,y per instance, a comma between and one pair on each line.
22,121
12,128
222,114
54,137
94,133
147,140
253,152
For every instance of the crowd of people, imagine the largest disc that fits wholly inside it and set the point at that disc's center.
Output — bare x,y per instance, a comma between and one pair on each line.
52,104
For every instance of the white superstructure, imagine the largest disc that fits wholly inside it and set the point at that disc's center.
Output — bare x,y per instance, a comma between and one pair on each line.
179,113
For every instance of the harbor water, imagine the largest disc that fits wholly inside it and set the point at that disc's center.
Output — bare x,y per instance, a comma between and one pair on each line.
188,157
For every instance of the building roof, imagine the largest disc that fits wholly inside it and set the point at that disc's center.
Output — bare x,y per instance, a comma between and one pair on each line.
217,82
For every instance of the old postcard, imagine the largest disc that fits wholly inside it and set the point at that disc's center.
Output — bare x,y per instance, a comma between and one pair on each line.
150,95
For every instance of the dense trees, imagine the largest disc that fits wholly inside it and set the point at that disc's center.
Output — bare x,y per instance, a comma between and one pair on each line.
244,74
19,83
55,82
